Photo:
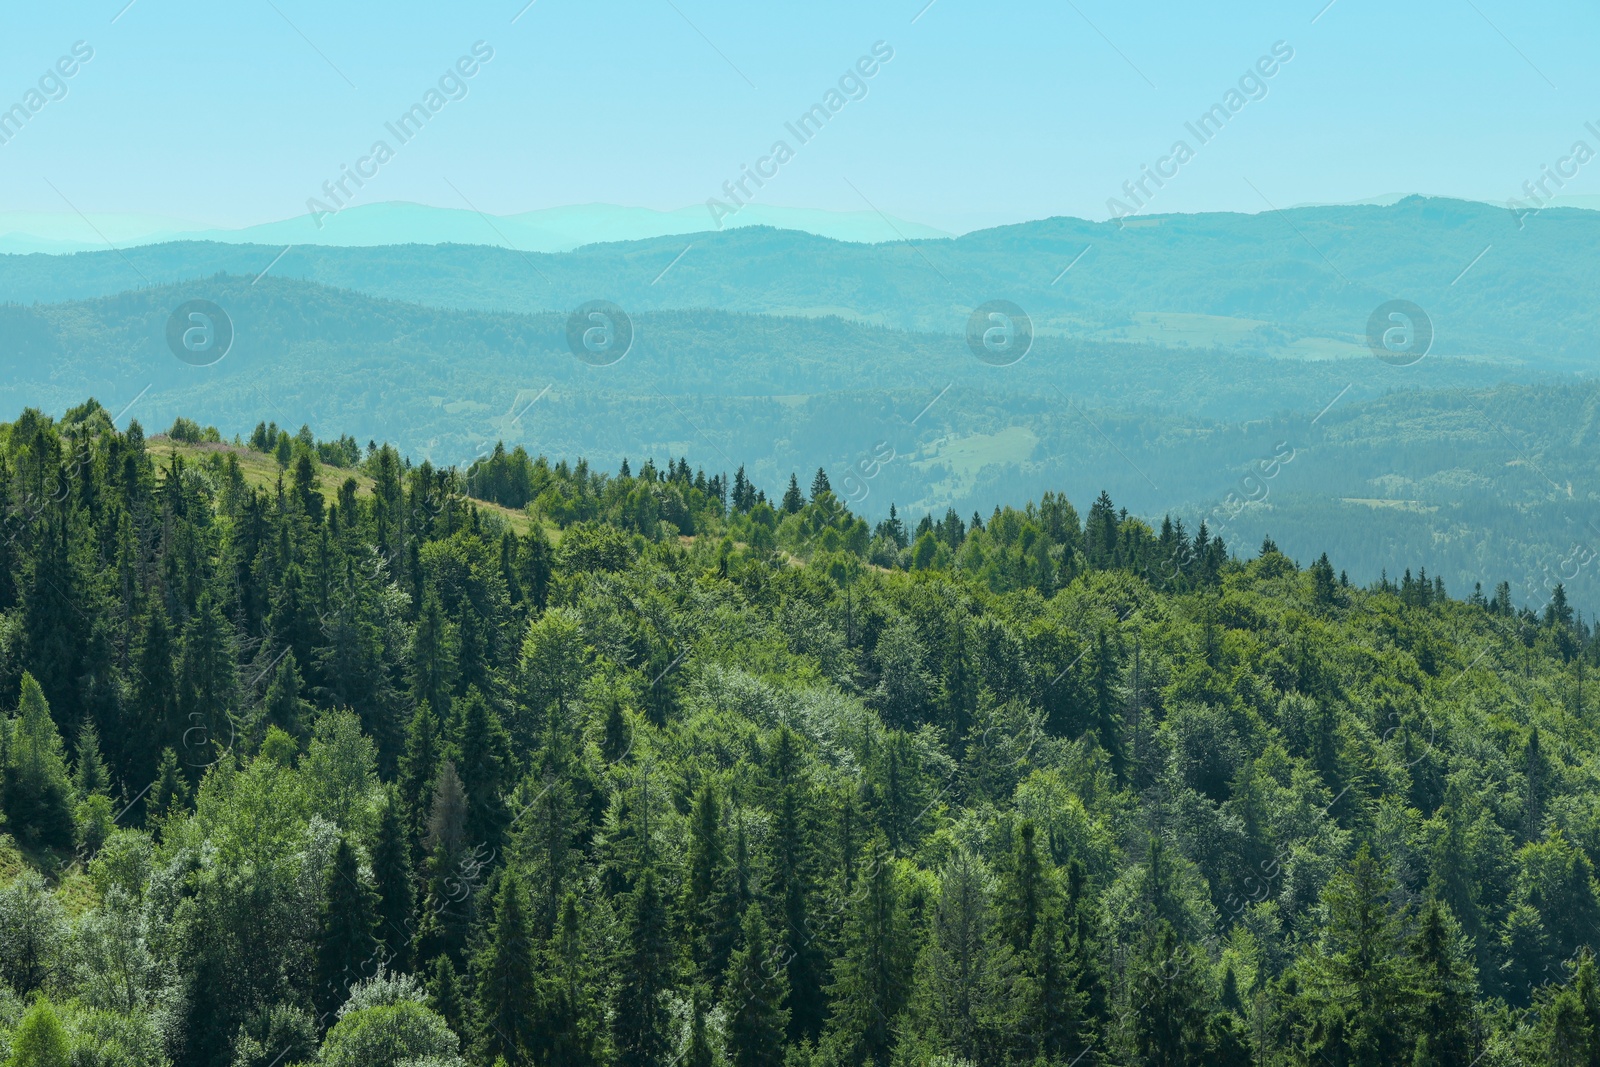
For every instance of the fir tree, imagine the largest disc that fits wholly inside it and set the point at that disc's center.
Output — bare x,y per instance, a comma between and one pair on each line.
639,1018
37,791
347,945
507,993
872,977
819,484
793,500
392,873
757,1018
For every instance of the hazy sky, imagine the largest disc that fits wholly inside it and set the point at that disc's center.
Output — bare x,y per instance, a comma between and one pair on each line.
236,113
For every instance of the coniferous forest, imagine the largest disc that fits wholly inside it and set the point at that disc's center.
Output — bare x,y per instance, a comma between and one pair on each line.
313,755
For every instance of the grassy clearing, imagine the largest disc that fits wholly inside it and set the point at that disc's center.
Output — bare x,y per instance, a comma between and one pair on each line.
261,471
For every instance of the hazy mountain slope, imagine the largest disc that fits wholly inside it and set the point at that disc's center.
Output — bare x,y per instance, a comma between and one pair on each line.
1429,465
1301,283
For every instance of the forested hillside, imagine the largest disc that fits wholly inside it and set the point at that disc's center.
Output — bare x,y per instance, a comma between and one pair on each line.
315,755
1442,464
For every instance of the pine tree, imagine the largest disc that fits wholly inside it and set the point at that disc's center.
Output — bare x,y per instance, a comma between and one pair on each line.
444,994
205,685
698,1052
170,795
961,977
617,739
1103,710
1446,986
89,773
392,873
569,1026
433,668
872,977
757,1018
708,871
536,568
152,722
819,484
1052,1004
639,1019
1322,582
418,765
37,791
1355,990
1025,891
347,945
792,865
482,755
283,706
507,994
452,863
1169,1021
793,501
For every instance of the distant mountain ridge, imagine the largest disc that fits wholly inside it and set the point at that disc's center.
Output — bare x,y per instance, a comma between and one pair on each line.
559,229
1299,284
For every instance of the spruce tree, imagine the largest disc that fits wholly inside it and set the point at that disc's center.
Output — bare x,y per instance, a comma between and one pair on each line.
570,1018
506,994
347,943
819,484
639,1019
703,890
757,1017
37,791
152,721
793,500
1169,1019
872,977
90,775
444,994
392,872
481,751
1446,987
419,763
804,964
170,794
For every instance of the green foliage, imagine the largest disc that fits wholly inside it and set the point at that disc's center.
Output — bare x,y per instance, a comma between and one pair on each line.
705,784
37,790
40,1039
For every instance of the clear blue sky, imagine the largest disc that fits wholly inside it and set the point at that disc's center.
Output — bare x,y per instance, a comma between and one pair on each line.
227,114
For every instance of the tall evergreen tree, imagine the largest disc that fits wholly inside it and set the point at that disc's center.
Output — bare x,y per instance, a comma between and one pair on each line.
506,990
639,1029
872,977
482,753
392,872
793,499
757,1017
347,944
37,791
570,1017
793,873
